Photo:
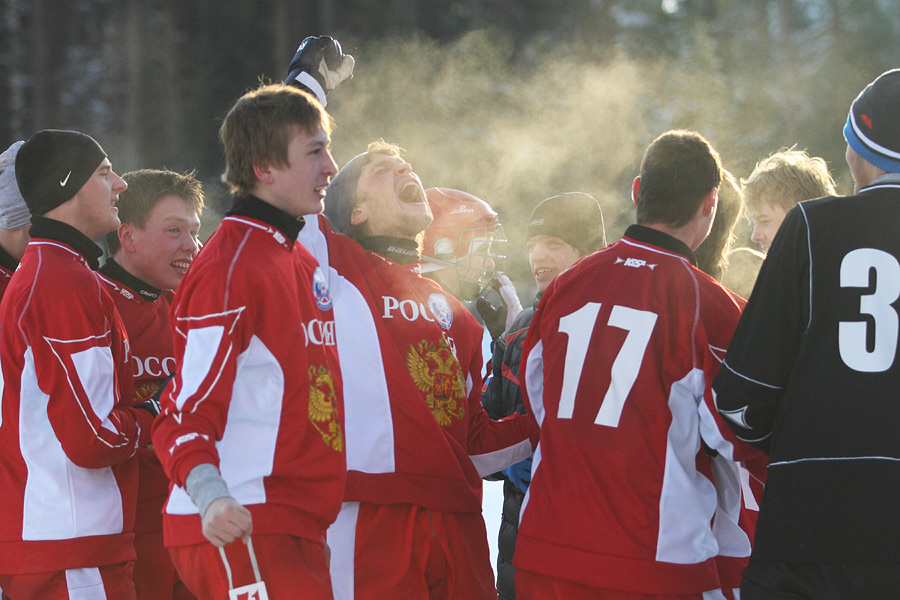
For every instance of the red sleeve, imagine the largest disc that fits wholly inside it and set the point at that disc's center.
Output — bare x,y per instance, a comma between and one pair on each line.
208,341
80,364
494,445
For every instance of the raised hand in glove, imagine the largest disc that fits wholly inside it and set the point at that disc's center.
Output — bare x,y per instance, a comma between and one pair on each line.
319,65
497,320
520,473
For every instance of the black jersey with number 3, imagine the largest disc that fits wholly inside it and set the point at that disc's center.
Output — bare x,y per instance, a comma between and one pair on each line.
812,376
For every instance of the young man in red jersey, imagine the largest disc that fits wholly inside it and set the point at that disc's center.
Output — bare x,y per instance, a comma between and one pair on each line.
252,429
149,254
618,365
418,439
68,431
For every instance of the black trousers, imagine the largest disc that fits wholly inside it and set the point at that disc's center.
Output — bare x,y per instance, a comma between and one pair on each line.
771,580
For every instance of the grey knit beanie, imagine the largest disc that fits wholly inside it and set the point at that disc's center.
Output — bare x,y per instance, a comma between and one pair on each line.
340,198
13,210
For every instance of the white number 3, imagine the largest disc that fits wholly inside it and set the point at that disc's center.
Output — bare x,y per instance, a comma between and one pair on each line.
579,326
853,335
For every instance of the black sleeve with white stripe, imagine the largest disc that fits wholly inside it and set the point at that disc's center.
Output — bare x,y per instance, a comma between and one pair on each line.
761,355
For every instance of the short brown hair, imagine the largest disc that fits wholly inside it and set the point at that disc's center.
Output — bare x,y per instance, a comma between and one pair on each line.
259,127
146,187
678,170
785,178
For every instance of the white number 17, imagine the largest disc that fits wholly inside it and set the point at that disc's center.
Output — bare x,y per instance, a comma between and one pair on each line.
579,326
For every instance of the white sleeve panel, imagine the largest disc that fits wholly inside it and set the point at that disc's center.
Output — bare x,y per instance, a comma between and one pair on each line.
688,499
96,373
247,448
491,462
199,353
732,539
534,381
62,500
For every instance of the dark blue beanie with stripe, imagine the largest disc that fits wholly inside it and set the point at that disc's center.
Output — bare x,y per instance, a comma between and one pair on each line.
873,125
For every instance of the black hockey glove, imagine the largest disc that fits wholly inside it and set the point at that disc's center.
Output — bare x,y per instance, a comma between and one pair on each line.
319,66
494,318
497,320
151,404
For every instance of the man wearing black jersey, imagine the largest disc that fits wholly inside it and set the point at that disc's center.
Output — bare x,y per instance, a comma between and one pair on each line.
812,373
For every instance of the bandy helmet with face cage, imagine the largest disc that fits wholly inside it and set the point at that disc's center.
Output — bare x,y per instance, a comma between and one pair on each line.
465,236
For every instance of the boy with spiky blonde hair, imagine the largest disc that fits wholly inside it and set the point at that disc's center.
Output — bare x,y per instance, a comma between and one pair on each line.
777,183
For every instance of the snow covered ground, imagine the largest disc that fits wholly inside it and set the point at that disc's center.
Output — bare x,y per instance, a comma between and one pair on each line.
491,506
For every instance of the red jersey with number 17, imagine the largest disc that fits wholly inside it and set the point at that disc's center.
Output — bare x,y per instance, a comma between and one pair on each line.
617,371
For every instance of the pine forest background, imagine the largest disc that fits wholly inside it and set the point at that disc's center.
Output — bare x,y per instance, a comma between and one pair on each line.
513,101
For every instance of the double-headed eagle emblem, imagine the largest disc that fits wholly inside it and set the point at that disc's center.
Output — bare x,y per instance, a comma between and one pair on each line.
436,372
323,412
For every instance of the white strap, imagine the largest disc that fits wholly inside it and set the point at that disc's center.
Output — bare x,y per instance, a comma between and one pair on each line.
227,567
253,563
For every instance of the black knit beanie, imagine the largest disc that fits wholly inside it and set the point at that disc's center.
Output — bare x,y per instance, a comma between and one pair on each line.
873,125
575,218
52,165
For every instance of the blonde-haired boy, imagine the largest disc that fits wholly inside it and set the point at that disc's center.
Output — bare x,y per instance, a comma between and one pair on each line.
779,182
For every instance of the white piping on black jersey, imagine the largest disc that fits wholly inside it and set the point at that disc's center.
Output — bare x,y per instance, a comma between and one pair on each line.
750,379
782,463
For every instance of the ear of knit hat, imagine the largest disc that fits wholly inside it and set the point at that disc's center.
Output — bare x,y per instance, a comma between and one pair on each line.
53,165
13,210
573,217
873,125
340,197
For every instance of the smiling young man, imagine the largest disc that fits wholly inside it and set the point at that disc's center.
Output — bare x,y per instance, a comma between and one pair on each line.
251,433
418,440
69,431
149,254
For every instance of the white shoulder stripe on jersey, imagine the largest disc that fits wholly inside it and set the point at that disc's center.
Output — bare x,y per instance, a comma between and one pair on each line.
881,186
655,250
750,379
781,463
810,254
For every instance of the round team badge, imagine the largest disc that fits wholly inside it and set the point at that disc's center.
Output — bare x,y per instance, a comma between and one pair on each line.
441,310
320,290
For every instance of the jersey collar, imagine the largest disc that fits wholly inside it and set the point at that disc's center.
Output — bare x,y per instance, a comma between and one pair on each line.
403,251
647,235
57,231
254,208
117,272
